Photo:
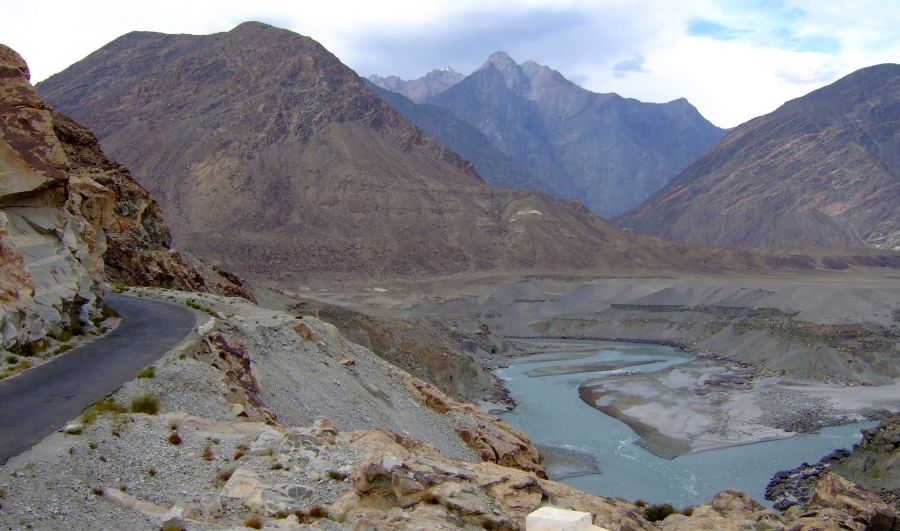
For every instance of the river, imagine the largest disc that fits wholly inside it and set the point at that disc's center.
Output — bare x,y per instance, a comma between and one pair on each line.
551,413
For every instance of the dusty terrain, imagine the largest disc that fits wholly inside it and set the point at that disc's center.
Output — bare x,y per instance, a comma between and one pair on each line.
778,355
238,440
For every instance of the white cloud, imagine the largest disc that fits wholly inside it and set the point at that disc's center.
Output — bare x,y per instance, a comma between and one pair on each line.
733,60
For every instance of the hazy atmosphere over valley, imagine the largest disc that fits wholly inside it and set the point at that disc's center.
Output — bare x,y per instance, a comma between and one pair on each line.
549,265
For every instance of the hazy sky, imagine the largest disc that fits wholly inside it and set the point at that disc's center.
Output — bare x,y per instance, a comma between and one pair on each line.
733,60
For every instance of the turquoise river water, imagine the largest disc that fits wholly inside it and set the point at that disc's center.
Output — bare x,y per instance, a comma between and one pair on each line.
551,413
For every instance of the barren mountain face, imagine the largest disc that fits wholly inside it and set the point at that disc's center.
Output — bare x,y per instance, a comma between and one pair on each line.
418,90
605,150
822,170
266,152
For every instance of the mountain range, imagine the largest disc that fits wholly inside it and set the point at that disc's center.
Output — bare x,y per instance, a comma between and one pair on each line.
419,90
822,170
607,151
268,153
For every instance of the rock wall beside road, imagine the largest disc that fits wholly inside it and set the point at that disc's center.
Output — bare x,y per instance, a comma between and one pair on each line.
51,221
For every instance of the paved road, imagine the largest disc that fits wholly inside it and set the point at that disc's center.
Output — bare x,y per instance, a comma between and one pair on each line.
41,400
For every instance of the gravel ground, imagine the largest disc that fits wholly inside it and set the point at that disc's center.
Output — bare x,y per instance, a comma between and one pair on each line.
304,372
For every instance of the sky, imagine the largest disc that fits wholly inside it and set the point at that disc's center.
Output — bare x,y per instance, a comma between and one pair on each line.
734,60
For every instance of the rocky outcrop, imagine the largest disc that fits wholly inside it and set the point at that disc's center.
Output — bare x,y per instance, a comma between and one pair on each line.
405,484
494,440
52,220
836,504
873,463
822,170
139,251
229,356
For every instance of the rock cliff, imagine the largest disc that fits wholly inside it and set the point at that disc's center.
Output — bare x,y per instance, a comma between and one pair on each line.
52,220
139,251
72,218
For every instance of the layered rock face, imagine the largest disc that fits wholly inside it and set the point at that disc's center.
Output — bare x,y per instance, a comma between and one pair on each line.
266,152
52,219
822,170
70,218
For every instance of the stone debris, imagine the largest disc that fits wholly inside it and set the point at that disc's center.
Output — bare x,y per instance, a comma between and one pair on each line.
310,472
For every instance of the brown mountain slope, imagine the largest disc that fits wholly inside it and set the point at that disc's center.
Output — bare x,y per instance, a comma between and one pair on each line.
267,152
822,170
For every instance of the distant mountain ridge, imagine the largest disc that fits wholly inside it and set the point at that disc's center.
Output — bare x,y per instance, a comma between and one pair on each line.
419,90
269,154
822,170
605,150
492,164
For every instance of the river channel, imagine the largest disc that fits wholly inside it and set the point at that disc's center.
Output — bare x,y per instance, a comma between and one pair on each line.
571,434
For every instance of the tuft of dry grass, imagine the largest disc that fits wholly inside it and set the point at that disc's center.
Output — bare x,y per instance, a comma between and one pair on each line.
145,403
254,522
174,438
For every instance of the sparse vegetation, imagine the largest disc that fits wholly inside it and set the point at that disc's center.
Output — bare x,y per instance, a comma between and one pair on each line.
208,453
225,474
174,438
688,511
20,366
337,475
193,304
65,347
151,472
145,403
658,512
172,526
105,405
148,372
12,358
241,450
254,522
98,491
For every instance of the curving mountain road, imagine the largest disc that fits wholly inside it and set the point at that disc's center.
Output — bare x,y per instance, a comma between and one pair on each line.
41,400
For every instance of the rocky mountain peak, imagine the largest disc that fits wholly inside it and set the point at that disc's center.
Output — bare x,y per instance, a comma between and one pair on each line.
513,76
419,90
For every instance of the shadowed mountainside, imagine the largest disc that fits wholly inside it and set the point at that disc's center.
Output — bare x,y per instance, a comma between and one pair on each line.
607,151
492,164
822,170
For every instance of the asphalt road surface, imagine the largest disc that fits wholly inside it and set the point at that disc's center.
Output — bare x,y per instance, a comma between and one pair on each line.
41,400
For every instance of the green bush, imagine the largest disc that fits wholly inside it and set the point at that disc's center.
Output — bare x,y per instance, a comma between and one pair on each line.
148,372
